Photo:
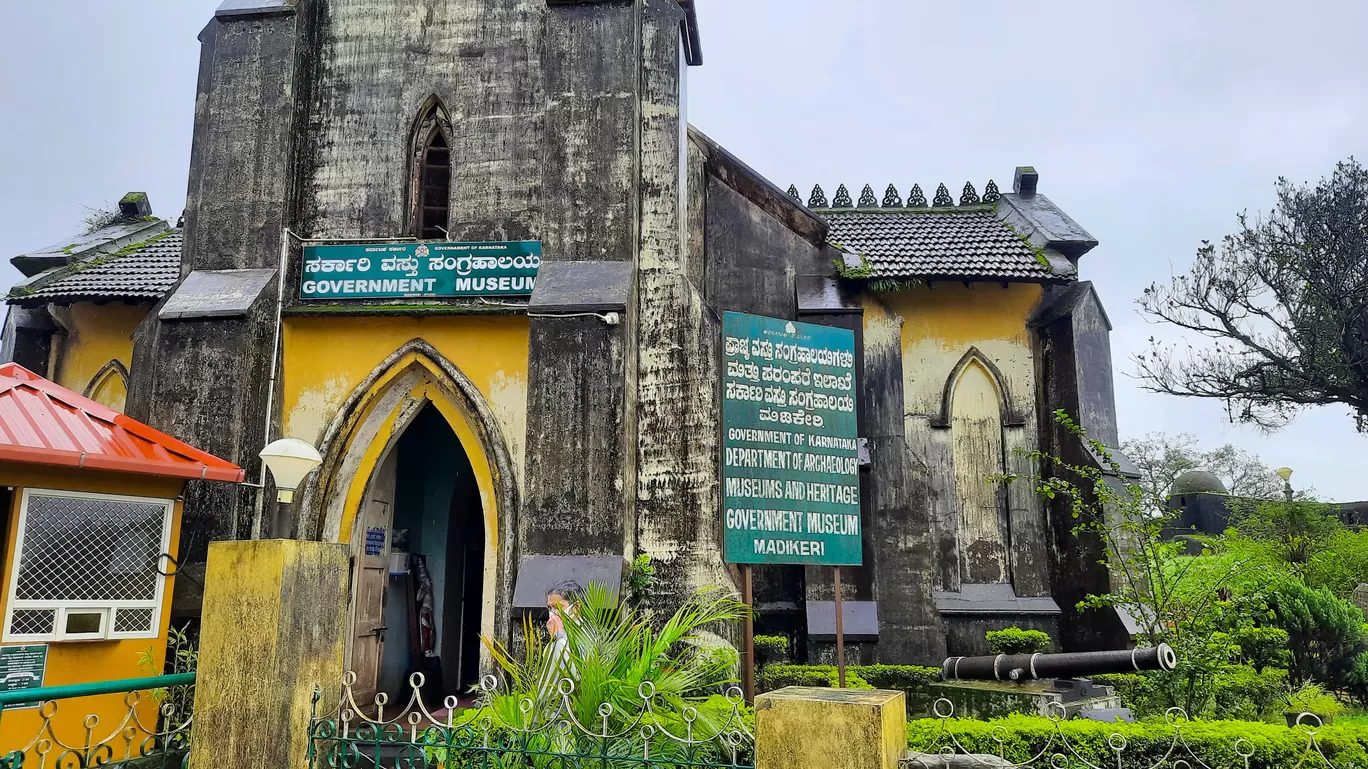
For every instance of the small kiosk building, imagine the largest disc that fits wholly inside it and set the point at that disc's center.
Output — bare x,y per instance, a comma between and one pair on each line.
91,506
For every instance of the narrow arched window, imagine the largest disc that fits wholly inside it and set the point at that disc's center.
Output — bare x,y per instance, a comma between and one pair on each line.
435,188
431,186
976,430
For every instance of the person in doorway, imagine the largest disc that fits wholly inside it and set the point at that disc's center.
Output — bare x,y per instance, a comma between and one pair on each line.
562,601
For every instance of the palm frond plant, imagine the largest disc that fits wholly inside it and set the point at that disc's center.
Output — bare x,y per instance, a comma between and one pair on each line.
625,682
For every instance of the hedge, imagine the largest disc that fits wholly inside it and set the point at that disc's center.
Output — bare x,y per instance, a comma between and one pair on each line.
906,678
1014,640
778,676
771,649
1147,742
1236,692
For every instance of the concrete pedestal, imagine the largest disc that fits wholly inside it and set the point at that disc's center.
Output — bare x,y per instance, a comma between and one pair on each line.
812,728
274,627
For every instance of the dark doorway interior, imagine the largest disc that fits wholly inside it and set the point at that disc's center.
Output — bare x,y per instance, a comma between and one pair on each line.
435,594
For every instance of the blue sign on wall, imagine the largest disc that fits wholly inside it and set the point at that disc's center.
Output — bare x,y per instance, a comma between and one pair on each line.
375,541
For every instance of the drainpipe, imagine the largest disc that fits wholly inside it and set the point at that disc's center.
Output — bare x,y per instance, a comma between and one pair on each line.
275,370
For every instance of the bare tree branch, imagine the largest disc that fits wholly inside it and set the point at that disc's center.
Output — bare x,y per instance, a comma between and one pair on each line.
1282,305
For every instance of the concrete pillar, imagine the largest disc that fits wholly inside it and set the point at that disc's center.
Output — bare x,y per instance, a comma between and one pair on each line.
809,728
274,627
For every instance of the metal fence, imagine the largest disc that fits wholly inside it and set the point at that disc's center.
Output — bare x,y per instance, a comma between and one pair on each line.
504,730
161,741
1169,746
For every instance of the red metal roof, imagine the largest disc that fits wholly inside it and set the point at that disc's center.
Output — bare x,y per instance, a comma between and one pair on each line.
43,423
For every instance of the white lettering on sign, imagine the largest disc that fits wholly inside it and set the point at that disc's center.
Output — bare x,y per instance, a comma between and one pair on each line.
505,283
790,547
398,285
787,521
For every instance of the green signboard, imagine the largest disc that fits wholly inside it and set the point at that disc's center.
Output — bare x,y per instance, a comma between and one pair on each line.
790,456
22,667
396,270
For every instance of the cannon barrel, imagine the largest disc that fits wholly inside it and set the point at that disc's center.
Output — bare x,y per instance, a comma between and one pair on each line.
1028,667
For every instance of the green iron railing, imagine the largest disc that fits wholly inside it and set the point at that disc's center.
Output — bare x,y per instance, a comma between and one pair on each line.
132,742
496,733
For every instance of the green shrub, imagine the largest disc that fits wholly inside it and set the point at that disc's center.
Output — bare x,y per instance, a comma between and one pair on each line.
1015,640
774,677
1325,633
1136,691
1262,647
1241,691
903,678
1235,691
1147,743
1311,697
771,649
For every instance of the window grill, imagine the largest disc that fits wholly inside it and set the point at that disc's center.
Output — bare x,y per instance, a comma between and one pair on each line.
87,551
33,621
133,621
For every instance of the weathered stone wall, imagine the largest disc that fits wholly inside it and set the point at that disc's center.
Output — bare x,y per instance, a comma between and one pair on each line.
1075,375
677,388
202,382
946,327
377,64
899,542
205,381
242,155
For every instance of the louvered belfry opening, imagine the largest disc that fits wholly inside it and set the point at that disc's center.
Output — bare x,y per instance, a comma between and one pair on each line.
434,191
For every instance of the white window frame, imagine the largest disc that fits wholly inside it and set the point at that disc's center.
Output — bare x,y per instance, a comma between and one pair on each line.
61,608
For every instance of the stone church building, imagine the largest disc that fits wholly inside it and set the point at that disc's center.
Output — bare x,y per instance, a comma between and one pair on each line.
492,433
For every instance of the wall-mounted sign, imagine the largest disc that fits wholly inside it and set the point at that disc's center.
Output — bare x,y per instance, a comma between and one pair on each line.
375,541
396,270
790,449
22,667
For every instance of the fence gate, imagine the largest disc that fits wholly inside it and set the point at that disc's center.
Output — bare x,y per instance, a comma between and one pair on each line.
503,730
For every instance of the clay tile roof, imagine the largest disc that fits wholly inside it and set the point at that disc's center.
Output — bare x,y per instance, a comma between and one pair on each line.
141,272
927,243
43,423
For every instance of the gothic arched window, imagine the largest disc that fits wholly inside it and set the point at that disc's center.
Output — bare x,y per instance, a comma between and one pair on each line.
431,186
976,430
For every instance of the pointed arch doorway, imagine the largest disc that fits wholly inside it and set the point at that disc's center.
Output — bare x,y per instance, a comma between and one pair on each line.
420,571
415,440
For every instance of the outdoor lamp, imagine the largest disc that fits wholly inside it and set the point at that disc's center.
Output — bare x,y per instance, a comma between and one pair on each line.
289,460
1286,474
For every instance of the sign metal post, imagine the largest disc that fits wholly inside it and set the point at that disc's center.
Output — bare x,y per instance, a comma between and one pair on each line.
840,634
748,598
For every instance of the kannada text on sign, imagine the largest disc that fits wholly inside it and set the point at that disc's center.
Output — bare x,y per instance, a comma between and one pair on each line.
790,463
390,270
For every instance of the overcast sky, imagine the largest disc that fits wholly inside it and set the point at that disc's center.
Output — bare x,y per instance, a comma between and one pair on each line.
1152,124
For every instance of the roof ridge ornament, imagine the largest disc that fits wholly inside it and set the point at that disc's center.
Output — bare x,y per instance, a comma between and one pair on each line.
891,198
793,193
818,198
942,199
991,193
916,198
969,196
867,199
842,199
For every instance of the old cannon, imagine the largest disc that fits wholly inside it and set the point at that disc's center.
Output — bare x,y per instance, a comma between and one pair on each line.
1031,667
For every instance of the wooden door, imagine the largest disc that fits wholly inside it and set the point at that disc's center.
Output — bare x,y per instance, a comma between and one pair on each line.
369,580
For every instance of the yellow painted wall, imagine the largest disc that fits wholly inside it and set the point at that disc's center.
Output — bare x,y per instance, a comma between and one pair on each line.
326,359
96,334
941,323
935,327
85,661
